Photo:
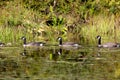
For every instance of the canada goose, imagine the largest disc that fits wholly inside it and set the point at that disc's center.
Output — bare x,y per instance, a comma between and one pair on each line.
31,43
2,44
109,44
67,44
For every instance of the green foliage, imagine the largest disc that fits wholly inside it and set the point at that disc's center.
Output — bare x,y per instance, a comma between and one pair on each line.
14,21
103,26
56,21
48,19
72,6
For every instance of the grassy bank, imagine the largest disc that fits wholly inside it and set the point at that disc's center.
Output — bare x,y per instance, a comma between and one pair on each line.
75,20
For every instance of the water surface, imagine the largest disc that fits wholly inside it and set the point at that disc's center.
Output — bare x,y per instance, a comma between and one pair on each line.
56,63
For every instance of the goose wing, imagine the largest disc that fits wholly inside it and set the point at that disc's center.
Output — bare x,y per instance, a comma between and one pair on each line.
70,44
110,44
35,44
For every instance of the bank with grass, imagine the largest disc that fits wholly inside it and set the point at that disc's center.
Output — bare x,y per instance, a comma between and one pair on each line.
75,20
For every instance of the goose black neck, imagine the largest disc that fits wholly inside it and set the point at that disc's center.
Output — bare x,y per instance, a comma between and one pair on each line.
60,50
60,42
99,41
24,41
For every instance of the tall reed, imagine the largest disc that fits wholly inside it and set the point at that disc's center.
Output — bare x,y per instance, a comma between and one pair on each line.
100,25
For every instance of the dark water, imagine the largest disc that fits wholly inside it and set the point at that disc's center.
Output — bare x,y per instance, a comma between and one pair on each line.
55,63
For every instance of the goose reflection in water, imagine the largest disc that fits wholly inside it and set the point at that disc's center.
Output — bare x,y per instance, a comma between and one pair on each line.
30,52
24,53
55,54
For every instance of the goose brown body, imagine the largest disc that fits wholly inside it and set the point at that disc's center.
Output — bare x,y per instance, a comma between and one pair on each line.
31,43
67,44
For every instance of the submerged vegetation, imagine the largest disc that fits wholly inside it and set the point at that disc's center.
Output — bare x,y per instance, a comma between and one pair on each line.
79,20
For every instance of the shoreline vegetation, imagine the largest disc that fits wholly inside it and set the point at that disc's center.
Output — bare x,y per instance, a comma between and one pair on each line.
75,20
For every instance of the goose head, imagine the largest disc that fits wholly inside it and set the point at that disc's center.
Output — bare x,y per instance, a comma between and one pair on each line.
98,37
24,39
60,40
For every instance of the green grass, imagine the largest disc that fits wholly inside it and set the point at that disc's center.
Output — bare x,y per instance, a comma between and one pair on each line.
103,26
12,35
91,18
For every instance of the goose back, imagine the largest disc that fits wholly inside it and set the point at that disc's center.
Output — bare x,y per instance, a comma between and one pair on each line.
67,44
109,44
